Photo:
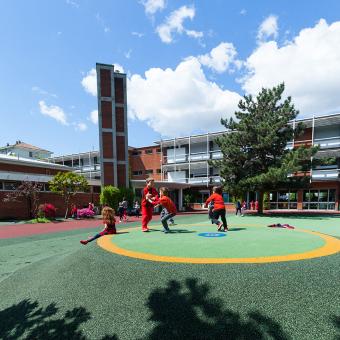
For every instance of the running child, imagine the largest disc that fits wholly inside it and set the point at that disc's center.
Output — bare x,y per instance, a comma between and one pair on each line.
219,208
109,223
149,196
169,208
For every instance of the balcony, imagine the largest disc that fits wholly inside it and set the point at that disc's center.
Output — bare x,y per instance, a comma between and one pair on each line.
193,157
325,174
203,180
327,143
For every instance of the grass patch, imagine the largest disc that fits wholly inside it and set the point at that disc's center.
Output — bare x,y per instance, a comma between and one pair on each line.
39,220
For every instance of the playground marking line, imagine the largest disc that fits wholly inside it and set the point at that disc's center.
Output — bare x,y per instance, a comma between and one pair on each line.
331,246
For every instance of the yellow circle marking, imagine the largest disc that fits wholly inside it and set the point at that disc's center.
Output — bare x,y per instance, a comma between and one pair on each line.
331,246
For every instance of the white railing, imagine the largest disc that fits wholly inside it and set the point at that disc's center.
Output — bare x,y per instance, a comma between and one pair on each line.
193,157
197,180
327,143
325,174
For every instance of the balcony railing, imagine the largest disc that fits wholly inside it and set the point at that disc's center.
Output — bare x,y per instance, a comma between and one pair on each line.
197,180
327,143
193,157
325,174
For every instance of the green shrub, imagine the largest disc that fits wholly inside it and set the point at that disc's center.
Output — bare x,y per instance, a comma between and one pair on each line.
110,196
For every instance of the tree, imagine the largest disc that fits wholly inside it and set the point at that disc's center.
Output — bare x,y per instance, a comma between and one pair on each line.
68,184
110,196
255,153
30,191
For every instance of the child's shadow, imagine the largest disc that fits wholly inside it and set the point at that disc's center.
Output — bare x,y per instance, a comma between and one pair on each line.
122,232
237,229
181,231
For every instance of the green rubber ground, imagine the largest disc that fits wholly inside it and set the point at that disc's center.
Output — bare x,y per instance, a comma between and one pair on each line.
239,242
54,288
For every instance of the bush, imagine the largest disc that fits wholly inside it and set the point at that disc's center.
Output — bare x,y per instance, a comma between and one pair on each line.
46,210
86,212
128,193
110,196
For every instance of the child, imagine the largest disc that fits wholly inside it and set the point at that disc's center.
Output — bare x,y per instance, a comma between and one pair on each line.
125,207
169,208
149,196
238,207
74,211
244,208
219,208
109,222
137,209
120,211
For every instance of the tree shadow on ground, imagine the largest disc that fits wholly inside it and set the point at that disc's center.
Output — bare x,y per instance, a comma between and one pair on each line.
26,320
336,322
188,312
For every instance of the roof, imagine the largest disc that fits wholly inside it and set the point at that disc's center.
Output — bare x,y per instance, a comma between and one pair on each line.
32,162
22,145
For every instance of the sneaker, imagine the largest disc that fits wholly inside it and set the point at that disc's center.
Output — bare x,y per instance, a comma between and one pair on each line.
84,242
226,229
166,231
145,229
220,225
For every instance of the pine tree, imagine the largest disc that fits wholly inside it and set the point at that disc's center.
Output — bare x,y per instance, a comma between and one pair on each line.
255,153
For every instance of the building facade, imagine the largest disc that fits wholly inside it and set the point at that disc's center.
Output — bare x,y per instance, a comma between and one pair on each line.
24,150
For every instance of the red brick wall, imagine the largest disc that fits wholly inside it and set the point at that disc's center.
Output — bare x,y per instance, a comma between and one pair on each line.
105,82
108,174
106,114
107,145
144,162
119,91
19,210
120,124
121,174
120,140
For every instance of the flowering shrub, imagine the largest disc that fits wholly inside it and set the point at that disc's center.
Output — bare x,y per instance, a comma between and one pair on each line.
46,210
86,212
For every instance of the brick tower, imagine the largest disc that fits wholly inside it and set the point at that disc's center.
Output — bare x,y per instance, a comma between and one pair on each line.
112,123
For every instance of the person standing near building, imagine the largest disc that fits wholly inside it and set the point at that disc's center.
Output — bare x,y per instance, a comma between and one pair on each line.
252,205
238,207
257,205
149,196
125,208
137,209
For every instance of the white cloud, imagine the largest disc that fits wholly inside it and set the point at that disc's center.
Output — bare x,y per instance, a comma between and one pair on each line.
43,92
102,23
268,29
138,34
153,6
220,58
167,98
128,54
94,116
80,126
54,112
89,82
174,24
309,65
243,11
72,3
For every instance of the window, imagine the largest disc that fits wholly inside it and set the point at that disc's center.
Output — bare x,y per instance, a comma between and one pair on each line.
148,151
323,199
158,171
10,186
158,150
283,200
95,160
136,153
149,171
1,185
46,187
137,173
30,154
96,189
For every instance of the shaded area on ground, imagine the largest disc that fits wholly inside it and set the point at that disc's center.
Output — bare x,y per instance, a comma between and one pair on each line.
28,320
188,312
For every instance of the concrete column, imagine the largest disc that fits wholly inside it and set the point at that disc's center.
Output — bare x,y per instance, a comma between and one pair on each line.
180,199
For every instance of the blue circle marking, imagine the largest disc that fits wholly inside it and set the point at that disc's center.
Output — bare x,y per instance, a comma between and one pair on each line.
212,234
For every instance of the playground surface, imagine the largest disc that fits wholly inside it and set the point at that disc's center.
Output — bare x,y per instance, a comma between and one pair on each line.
253,282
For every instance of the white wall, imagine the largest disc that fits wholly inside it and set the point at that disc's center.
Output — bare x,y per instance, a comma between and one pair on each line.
176,176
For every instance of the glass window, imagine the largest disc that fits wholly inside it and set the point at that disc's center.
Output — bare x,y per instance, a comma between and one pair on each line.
331,195
10,186
283,196
306,195
158,150
331,206
30,154
323,206
149,171
148,151
137,173
273,196
292,205
305,205
293,196
313,206
158,171
314,195
1,185
323,196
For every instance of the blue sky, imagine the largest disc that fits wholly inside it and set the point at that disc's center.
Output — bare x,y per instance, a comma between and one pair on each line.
187,63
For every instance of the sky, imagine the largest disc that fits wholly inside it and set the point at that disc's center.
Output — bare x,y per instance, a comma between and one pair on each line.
188,63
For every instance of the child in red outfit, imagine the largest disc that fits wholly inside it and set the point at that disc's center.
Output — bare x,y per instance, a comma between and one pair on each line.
149,196
219,208
169,207
109,222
